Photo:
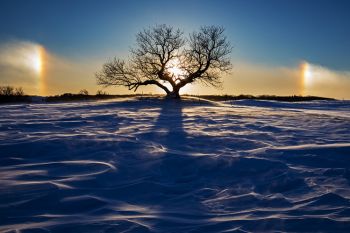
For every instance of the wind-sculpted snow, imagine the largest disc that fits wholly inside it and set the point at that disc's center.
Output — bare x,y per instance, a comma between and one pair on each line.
175,166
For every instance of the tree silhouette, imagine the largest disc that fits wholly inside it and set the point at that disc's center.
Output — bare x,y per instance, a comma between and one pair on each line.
163,55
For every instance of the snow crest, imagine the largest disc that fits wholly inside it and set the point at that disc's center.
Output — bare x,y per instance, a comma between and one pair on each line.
153,165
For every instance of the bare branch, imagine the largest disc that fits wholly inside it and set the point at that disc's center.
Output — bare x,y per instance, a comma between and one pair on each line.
161,49
116,73
207,55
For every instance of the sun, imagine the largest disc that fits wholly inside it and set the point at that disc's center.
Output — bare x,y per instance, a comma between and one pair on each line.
174,69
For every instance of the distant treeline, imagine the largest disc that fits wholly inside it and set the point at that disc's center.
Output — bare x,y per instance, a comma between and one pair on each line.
292,98
77,97
10,94
84,95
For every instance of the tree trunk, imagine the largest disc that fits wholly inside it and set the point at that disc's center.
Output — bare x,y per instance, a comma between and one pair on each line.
174,94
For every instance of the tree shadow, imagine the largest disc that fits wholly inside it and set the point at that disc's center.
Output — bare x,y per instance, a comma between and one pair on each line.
180,177
168,129
191,184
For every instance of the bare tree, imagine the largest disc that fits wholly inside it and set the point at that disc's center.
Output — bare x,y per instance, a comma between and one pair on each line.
83,92
100,92
162,55
19,91
6,90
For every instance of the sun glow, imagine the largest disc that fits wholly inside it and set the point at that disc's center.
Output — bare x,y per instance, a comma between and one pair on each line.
27,59
319,80
174,68
34,58
175,71
306,77
31,56
307,74
37,60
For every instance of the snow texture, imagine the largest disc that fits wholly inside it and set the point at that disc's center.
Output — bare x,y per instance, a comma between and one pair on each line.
155,165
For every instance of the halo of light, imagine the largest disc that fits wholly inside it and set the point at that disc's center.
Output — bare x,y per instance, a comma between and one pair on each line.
306,77
37,60
34,60
174,68
39,68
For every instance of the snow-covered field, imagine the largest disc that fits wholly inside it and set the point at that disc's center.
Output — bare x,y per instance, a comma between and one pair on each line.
175,166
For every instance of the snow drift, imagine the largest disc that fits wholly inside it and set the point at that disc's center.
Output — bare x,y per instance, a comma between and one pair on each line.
175,166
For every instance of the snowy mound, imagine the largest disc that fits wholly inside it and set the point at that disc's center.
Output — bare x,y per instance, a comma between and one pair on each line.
175,166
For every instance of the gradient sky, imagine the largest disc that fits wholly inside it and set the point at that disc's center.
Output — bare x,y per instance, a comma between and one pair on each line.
270,38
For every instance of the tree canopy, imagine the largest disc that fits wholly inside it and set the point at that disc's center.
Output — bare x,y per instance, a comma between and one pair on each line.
163,54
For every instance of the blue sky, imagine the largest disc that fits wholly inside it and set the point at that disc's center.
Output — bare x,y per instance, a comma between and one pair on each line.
273,32
270,33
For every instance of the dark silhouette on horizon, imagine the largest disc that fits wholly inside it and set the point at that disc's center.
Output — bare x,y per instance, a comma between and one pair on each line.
164,56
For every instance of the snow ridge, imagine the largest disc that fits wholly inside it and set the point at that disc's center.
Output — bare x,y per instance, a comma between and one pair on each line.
152,165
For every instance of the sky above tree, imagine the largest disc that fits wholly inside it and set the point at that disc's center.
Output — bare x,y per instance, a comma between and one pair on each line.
280,47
